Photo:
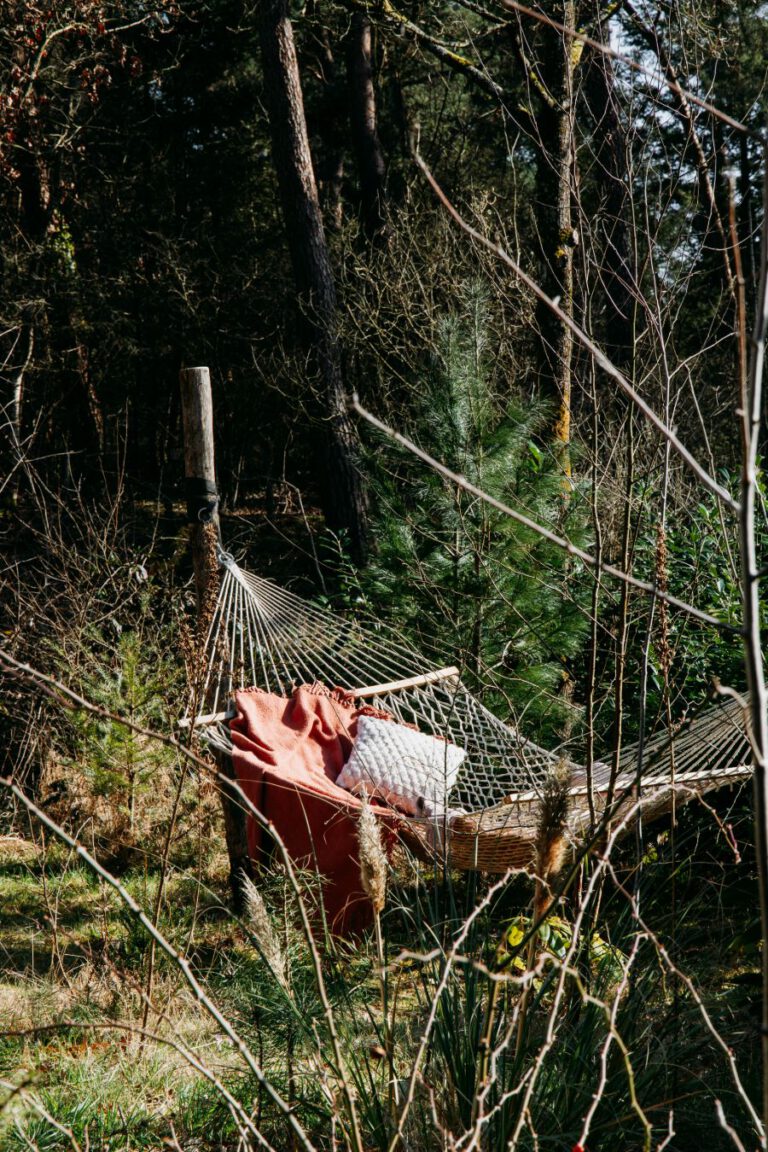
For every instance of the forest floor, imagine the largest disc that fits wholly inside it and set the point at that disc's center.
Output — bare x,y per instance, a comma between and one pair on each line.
97,1053
75,965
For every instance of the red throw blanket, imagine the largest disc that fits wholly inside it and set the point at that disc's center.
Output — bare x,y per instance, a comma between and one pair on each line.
287,754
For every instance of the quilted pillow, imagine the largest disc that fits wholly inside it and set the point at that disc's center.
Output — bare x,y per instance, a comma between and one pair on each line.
409,769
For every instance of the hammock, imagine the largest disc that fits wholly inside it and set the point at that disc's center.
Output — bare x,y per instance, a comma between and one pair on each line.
263,635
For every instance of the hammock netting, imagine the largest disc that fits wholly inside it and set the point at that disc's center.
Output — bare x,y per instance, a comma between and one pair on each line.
265,636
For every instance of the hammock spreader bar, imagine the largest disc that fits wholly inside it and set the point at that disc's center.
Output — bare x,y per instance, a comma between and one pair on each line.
262,634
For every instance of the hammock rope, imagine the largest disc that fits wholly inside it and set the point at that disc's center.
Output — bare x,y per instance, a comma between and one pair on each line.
265,635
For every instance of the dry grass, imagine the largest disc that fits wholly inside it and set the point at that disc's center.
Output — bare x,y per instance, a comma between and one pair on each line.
72,1001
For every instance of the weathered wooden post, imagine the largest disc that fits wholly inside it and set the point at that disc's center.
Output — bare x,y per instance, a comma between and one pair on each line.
203,515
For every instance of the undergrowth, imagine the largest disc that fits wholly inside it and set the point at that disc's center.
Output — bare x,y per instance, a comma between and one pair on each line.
75,968
613,1022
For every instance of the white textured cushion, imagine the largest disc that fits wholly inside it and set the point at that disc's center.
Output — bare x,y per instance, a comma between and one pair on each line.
409,769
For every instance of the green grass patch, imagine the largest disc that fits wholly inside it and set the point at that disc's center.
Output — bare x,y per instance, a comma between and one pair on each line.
113,1091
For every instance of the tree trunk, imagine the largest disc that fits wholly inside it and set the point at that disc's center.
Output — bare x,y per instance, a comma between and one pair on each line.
555,185
41,224
330,127
365,138
617,269
555,174
342,489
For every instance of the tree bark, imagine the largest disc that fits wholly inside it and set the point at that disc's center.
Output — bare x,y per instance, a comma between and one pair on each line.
330,127
365,138
555,175
751,373
617,270
556,171
342,488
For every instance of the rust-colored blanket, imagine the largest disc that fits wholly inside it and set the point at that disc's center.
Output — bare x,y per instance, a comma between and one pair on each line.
287,754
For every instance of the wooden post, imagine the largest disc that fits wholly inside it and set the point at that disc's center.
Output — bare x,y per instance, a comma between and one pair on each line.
200,488
203,515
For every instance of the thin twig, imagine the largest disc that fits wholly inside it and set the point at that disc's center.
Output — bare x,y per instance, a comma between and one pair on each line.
599,566
181,962
726,1127
634,65
69,699
41,1110
145,1034
584,339
751,419
697,999
450,959
161,888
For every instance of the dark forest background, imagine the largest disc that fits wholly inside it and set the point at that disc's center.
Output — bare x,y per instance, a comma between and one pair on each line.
160,209
246,186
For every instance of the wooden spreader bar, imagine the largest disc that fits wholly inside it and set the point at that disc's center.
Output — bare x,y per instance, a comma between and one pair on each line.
410,682
201,721
451,673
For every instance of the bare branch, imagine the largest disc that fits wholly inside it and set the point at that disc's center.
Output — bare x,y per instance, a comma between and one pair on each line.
751,384
586,341
41,1110
695,995
70,699
651,37
581,38
181,961
186,1054
395,19
598,566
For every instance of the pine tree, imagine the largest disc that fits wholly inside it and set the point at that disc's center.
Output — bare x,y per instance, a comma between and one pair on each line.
471,583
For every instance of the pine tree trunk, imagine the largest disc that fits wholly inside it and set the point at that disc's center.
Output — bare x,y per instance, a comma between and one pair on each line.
555,174
343,492
362,116
330,120
617,269
555,185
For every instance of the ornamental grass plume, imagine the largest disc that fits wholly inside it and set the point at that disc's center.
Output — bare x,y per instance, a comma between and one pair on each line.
551,845
373,860
263,932
373,873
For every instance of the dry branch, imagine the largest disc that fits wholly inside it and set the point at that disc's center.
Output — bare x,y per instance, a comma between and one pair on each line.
586,341
597,565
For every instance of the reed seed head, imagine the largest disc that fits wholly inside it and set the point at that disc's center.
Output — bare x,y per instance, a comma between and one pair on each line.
263,931
551,843
373,860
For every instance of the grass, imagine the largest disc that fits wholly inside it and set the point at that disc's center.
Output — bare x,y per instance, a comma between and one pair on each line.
70,954
73,958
